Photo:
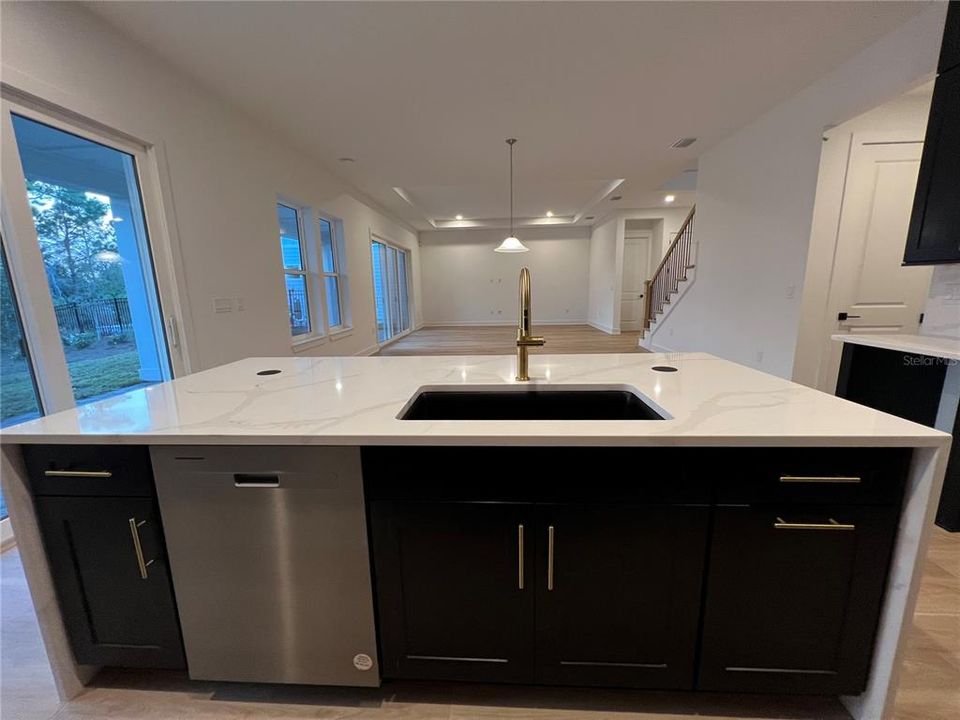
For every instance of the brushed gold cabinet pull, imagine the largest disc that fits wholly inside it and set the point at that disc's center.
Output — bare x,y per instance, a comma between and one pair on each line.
137,548
550,557
520,556
78,473
839,480
831,524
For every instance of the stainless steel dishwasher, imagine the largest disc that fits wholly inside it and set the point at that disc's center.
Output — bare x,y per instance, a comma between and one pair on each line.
270,565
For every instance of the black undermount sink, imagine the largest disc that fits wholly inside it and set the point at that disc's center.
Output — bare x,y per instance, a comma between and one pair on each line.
529,404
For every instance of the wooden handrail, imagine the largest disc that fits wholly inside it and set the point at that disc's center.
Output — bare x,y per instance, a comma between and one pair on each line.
674,263
673,244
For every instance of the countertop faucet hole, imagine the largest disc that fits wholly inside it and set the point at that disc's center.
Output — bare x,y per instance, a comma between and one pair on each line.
269,372
663,368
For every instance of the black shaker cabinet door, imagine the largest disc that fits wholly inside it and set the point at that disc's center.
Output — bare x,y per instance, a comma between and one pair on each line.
934,235
793,598
113,614
618,594
950,49
454,590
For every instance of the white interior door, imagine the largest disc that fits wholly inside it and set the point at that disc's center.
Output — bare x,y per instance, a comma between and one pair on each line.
870,290
636,268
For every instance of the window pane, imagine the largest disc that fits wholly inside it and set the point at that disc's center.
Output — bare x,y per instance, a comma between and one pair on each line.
379,291
287,217
18,392
326,246
331,286
85,200
297,304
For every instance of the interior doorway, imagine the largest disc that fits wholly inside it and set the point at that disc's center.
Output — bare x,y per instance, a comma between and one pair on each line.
636,271
855,280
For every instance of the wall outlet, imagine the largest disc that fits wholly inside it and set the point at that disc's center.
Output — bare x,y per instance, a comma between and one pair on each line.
791,291
759,356
222,304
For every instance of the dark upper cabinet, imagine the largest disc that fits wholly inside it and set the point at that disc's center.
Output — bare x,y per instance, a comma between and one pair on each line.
950,50
455,590
793,597
116,611
618,594
934,234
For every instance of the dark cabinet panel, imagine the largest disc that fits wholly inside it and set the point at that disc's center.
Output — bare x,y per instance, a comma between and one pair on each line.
934,235
113,614
793,596
618,594
454,590
950,50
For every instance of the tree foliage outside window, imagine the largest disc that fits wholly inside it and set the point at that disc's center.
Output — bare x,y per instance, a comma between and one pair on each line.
78,241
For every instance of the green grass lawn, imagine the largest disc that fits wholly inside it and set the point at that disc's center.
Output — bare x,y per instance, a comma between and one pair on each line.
91,376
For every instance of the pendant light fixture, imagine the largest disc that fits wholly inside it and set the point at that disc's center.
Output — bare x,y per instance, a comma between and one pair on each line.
511,244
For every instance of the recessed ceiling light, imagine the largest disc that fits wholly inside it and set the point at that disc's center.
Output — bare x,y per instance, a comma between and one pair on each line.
616,197
669,198
459,216
549,213
347,160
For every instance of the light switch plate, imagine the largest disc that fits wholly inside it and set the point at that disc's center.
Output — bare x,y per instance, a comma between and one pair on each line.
222,305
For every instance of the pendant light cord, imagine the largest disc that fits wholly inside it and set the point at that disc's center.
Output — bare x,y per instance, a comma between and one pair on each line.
510,142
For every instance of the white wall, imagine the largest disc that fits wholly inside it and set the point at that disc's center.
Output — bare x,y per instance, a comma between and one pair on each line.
755,197
606,259
605,275
904,117
941,316
466,282
223,174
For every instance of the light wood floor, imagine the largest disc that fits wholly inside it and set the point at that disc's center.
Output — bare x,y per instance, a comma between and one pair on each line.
501,340
929,688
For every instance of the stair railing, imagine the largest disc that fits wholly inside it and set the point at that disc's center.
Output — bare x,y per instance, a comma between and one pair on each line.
671,271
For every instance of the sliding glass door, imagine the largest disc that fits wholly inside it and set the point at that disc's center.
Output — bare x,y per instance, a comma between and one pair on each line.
391,289
81,306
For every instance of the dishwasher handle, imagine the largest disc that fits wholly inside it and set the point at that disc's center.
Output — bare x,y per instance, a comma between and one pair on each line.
256,480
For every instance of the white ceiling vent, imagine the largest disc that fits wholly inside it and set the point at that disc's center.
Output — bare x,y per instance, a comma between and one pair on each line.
684,142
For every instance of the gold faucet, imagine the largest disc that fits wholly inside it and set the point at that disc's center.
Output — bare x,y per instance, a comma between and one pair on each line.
525,340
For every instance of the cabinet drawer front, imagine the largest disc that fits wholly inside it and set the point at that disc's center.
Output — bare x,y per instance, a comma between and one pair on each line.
89,470
815,475
793,597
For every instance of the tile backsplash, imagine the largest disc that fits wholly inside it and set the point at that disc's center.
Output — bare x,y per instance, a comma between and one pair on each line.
942,313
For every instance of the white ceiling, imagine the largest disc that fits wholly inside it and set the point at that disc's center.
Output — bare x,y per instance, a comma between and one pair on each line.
424,94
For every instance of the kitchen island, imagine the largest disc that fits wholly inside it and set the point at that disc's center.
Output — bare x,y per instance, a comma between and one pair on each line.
747,533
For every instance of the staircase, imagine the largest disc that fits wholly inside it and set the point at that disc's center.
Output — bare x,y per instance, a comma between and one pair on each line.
662,288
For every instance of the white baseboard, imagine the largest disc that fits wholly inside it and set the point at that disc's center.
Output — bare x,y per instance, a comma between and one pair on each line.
604,328
373,349
501,323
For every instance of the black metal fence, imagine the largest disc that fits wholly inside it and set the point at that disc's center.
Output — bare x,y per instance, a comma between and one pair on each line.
103,317
299,311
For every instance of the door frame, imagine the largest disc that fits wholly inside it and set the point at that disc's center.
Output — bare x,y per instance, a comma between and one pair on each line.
27,262
54,108
812,357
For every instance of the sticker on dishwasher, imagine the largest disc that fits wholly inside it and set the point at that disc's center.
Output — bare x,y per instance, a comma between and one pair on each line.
362,661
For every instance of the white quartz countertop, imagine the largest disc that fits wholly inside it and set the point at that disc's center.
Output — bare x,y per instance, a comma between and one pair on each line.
356,401
941,347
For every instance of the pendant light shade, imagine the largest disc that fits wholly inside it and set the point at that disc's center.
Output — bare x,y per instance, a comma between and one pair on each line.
511,244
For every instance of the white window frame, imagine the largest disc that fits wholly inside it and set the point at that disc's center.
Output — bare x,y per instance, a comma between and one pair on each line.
408,278
339,272
26,261
314,308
